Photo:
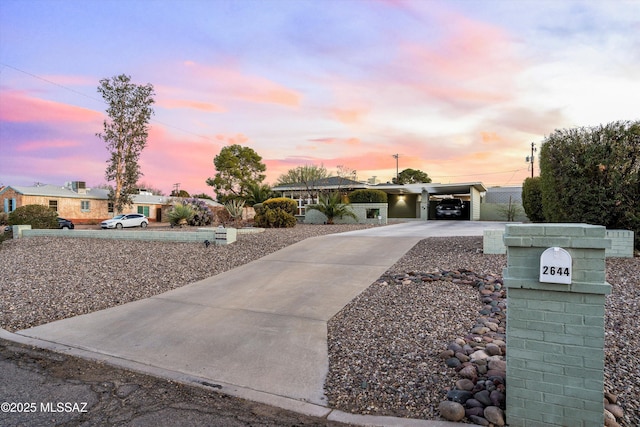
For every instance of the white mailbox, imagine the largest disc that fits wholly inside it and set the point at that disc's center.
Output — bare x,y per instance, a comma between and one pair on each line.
555,266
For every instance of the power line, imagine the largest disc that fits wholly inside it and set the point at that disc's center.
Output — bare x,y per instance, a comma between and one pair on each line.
97,99
477,174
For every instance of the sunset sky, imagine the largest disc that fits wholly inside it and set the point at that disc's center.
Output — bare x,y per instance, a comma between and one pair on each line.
459,89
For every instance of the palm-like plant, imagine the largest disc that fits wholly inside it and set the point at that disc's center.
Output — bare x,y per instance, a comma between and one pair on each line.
256,193
180,214
332,207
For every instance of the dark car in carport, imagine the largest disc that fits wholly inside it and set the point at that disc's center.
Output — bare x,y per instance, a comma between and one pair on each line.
449,208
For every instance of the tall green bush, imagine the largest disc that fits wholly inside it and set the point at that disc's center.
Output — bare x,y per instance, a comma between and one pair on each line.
592,175
532,199
368,196
37,216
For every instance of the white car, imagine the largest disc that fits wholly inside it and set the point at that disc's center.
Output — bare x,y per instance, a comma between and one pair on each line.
126,220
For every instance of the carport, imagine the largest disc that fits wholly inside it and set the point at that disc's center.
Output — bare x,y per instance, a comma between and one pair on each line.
418,201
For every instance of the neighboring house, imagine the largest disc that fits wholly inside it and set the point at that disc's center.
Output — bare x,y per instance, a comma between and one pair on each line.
73,201
497,202
503,194
409,201
83,205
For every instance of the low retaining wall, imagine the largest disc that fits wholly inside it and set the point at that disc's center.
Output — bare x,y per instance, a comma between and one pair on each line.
220,236
360,209
621,243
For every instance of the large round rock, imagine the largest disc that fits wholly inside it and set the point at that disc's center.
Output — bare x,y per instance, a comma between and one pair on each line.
452,411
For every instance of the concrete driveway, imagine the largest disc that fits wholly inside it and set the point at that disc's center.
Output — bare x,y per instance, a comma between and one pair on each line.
258,330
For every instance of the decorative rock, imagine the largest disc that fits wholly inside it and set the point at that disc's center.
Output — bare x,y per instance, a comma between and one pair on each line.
612,398
616,410
480,354
464,384
483,397
469,372
493,350
610,420
497,365
473,403
459,396
497,398
479,420
446,354
478,411
455,347
451,411
453,362
462,357
494,415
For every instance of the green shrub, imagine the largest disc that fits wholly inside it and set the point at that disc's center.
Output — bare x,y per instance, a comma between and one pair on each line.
288,205
37,216
277,218
532,199
368,196
276,213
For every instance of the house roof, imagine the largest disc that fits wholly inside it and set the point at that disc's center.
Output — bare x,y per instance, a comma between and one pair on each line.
57,191
329,183
344,183
48,190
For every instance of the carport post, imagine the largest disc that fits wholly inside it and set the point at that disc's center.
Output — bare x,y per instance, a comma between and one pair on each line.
424,204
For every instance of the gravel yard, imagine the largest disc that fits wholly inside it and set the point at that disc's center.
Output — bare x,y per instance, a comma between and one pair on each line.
389,335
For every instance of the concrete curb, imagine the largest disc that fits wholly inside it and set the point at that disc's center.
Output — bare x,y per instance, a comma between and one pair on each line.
282,402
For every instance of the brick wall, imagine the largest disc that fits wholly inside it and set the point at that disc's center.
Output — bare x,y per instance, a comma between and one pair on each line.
621,243
555,332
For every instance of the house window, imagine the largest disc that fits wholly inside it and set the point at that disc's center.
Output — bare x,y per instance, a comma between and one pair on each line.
110,207
9,205
373,213
84,206
53,204
144,210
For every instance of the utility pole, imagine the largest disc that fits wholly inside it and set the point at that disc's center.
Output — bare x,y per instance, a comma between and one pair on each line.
531,159
396,156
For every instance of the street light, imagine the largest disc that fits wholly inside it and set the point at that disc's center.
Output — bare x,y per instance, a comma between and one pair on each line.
395,156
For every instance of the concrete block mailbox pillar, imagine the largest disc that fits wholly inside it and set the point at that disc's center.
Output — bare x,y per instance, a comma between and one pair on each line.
225,236
555,281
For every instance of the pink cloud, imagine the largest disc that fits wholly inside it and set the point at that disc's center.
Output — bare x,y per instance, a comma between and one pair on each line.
338,141
18,106
349,116
236,84
190,104
39,145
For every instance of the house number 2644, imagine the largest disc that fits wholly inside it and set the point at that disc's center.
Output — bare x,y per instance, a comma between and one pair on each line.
555,271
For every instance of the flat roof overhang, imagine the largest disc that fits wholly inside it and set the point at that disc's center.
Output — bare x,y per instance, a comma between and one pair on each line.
431,188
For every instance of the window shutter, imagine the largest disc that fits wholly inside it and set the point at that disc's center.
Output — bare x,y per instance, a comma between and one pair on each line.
13,206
